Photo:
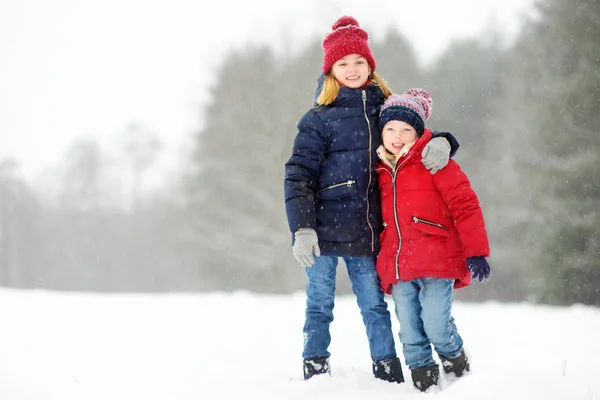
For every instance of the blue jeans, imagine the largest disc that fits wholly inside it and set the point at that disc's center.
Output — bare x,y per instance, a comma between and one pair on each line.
423,307
370,298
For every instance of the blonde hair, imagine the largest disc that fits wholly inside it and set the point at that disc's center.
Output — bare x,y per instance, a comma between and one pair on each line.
392,158
331,88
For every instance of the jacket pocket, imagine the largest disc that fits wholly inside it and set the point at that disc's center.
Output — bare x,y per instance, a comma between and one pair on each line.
337,191
340,212
430,227
426,250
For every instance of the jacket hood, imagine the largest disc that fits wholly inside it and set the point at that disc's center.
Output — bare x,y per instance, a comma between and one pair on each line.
320,81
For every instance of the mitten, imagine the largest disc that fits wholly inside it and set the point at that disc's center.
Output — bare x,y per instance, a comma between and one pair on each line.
436,154
479,268
306,246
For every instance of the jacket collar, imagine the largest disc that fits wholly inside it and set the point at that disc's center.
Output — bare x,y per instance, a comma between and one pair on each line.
349,97
417,148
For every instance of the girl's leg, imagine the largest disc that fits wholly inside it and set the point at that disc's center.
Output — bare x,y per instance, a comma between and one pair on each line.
373,307
320,291
415,344
436,300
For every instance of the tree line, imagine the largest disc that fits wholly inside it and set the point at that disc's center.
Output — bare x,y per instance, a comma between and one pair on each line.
526,117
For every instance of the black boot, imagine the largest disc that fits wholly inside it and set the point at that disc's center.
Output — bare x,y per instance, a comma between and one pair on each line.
425,377
315,366
457,365
389,370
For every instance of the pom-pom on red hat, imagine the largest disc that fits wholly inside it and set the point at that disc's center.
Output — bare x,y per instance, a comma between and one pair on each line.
346,37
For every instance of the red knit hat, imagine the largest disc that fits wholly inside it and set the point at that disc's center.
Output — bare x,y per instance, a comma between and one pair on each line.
347,37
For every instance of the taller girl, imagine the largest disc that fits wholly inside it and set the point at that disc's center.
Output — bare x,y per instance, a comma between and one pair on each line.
332,199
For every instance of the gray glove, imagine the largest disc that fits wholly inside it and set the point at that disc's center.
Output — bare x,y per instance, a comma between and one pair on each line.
436,154
305,246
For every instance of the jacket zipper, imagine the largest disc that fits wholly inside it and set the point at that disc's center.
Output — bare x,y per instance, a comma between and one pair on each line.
364,99
349,183
396,216
416,220
397,263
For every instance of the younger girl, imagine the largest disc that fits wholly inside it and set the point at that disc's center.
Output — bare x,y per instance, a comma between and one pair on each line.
434,236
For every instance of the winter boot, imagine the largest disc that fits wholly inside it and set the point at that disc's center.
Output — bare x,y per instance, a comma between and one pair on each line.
315,366
389,370
425,377
456,365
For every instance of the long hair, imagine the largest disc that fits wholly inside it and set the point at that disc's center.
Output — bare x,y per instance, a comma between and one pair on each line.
331,88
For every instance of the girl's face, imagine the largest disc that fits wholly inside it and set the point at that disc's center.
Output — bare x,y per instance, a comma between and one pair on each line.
351,71
396,135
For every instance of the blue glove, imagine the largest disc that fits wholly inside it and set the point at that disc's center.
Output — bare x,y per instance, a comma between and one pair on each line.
479,268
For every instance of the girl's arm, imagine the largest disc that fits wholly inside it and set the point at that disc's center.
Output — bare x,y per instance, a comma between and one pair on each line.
438,150
455,188
302,172
452,141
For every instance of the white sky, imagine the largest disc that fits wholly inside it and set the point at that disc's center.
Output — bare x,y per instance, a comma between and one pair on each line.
71,69
72,346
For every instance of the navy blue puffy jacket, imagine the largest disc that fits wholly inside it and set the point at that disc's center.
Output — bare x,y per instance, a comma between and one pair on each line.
330,179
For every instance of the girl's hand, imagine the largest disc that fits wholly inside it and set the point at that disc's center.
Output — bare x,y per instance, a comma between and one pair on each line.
436,154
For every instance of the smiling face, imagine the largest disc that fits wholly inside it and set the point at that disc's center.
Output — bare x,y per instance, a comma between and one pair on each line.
396,135
351,71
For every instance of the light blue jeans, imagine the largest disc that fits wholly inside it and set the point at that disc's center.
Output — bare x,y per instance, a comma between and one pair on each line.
423,307
370,298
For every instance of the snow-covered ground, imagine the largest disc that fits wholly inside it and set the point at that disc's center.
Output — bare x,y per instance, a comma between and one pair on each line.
64,346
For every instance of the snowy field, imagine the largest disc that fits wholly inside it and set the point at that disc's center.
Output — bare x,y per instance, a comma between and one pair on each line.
64,346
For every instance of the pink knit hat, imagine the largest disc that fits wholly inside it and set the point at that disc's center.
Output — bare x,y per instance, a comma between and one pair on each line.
413,107
346,37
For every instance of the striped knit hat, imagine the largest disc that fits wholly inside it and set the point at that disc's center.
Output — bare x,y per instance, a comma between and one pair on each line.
412,107
346,37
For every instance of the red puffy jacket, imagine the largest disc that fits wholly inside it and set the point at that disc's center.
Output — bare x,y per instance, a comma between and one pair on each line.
433,223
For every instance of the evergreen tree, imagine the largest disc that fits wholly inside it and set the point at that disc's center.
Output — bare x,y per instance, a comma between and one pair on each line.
397,63
236,189
19,228
463,84
563,98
